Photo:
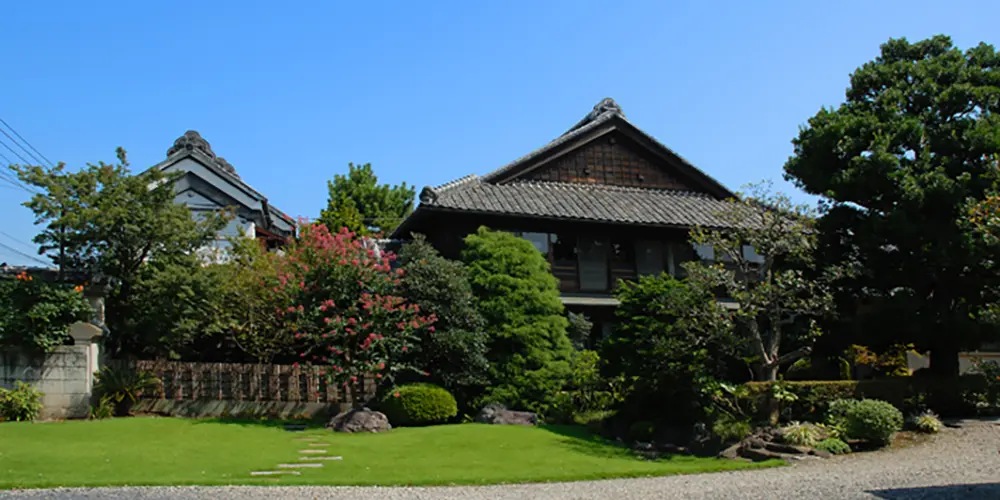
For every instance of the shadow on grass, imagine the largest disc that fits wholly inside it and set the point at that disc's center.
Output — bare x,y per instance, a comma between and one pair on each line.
580,440
289,425
956,491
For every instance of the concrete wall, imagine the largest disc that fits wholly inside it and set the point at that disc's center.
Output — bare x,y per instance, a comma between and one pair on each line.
966,360
65,376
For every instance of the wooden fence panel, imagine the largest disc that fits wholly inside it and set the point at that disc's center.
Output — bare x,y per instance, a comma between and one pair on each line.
184,381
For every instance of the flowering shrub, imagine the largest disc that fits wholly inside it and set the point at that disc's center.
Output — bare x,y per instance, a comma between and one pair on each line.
343,309
36,315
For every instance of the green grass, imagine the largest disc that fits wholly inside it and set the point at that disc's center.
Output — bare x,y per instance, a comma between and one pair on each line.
167,451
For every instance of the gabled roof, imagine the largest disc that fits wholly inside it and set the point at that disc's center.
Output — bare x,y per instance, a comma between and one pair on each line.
507,190
192,145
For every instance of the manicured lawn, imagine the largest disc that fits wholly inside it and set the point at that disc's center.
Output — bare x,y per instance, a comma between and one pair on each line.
163,451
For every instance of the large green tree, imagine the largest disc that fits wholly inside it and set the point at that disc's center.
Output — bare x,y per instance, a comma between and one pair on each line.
764,262
519,300
358,202
105,222
898,163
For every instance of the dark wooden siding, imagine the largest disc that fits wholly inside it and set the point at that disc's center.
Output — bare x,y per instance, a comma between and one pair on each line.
612,161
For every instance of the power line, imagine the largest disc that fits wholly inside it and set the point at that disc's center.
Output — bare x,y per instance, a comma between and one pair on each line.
33,157
26,162
22,254
16,240
12,129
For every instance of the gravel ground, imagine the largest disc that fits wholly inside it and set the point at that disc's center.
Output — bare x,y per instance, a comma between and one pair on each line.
962,462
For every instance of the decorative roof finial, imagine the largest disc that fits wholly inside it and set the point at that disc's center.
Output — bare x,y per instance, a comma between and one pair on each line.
191,140
607,105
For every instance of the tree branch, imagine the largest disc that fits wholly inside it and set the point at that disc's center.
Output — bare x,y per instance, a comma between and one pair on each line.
794,355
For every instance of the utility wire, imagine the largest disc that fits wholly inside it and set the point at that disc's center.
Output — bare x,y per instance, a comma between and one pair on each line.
26,142
16,240
26,162
33,157
25,255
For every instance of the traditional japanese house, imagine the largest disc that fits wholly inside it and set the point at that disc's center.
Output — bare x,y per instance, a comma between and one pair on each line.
604,201
210,183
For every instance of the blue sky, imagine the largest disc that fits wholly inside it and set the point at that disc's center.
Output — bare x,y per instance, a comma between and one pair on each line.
290,92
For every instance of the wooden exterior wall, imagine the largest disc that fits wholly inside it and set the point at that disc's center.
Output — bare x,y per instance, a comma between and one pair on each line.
608,160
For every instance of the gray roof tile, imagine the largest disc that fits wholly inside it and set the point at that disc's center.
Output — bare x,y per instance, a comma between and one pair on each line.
582,202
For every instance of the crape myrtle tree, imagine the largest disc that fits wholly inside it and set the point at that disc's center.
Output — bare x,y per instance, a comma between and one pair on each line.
343,309
899,162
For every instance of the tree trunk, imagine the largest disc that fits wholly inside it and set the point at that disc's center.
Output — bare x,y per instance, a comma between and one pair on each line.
766,372
944,354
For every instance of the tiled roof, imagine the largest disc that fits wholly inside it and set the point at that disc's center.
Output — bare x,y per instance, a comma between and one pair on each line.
579,201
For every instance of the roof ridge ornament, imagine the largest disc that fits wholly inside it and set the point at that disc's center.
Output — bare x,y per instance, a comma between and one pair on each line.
607,106
190,141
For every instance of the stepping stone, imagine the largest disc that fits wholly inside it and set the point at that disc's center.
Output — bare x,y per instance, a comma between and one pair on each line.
298,466
276,473
321,458
312,451
315,445
308,439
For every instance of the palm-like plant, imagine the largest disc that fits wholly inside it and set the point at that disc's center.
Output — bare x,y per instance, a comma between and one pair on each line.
124,386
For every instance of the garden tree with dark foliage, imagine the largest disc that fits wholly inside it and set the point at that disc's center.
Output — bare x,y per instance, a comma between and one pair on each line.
772,285
898,162
358,202
455,353
175,311
673,340
344,310
579,330
109,223
519,299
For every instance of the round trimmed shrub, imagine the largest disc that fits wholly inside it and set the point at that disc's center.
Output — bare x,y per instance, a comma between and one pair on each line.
419,404
874,421
833,445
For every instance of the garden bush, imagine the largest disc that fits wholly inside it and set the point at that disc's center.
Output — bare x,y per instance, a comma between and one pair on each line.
951,396
730,429
873,421
21,404
833,445
419,404
36,315
926,422
123,385
802,434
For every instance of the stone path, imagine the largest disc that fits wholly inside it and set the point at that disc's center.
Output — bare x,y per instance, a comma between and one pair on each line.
313,452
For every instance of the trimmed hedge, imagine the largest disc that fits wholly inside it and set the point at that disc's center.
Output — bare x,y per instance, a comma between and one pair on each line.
951,397
419,404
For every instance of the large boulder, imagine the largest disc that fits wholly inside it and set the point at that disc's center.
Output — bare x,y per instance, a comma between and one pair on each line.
498,414
359,420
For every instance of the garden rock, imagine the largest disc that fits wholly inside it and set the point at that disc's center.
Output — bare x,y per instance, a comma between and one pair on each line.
820,453
764,444
787,448
359,420
497,414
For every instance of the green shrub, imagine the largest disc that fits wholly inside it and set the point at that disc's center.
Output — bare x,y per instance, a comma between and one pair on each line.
593,420
124,385
20,404
642,430
948,396
730,429
36,315
926,422
802,434
873,421
836,416
105,408
833,445
518,297
419,404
